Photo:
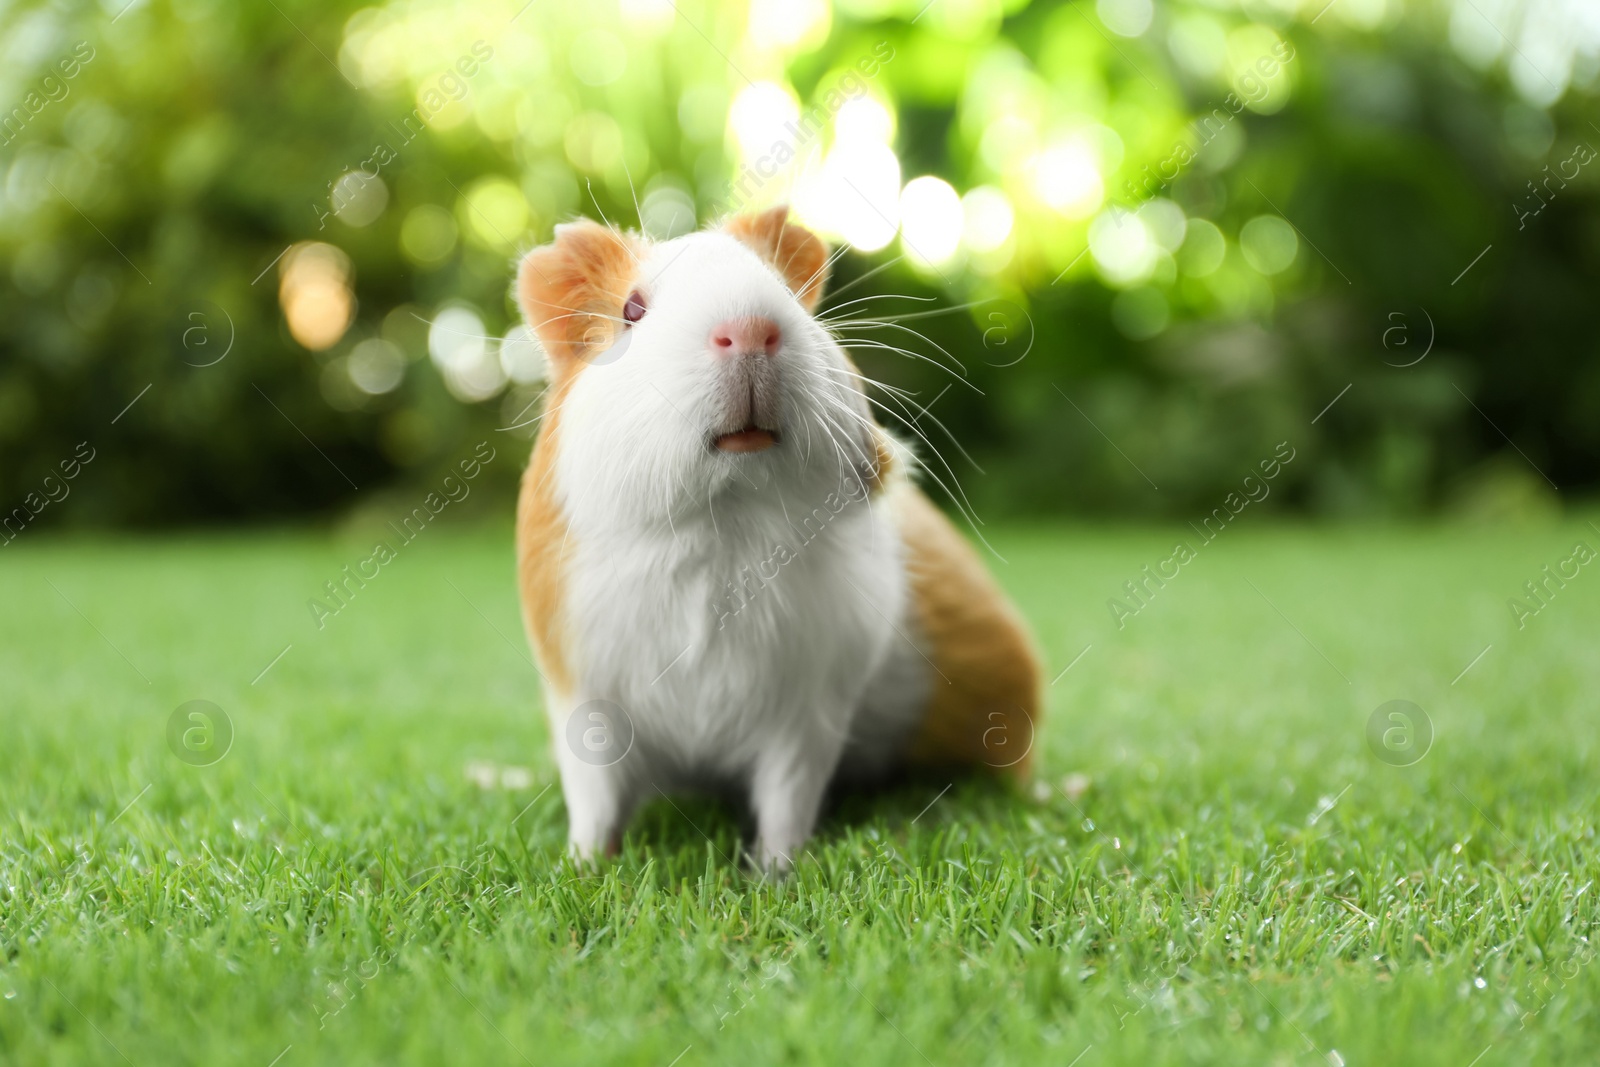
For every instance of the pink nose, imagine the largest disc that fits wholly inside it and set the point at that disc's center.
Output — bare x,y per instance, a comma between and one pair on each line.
748,335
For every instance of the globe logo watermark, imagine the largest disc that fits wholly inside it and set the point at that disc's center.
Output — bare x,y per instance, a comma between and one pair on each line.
1007,332
599,733
198,339
1399,733
608,344
1001,749
199,733
1397,339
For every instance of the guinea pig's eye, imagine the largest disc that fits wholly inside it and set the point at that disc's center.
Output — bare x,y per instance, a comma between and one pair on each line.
634,309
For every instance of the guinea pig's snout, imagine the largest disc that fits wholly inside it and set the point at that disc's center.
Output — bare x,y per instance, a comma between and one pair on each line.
748,335
747,375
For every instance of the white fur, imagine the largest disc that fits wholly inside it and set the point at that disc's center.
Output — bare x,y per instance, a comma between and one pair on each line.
765,693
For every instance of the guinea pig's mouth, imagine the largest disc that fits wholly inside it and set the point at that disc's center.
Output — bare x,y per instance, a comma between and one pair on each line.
750,438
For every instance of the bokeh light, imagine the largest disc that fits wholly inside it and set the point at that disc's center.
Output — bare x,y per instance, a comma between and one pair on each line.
1122,247
789,24
428,234
1269,244
494,213
987,218
667,211
359,198
376,366
1128,18
1066,177
460,349
760,117
316,294
930,220
522,357
649,16
857,195
1203,248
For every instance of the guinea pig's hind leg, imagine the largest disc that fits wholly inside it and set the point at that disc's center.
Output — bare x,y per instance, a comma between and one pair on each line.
786,793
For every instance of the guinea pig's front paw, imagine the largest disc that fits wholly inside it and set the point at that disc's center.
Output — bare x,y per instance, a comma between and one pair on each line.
597,813
588,851
775,856
786,794
769,862
583,858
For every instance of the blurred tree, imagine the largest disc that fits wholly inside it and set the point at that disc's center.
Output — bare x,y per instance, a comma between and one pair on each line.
257,254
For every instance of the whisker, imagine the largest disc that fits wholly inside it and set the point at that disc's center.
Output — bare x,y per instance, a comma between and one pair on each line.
863,381
855,343
548,411
827,263
915,422
925,314
957,495
925,338
847,286
626,244
828,314
911,423
637,210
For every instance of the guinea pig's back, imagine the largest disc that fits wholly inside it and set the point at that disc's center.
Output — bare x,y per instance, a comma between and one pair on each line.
983,697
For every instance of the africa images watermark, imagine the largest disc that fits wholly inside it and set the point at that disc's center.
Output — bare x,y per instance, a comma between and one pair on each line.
54,491
342,988
1252,83
752,582
451,87
1141,589
1581,155
852,85
745,989
51,90
342,591
1542,590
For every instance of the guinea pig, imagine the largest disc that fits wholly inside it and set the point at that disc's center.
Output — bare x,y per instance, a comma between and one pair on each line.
729,578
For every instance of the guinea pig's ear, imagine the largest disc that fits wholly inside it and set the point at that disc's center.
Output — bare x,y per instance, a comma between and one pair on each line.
796,253
573,289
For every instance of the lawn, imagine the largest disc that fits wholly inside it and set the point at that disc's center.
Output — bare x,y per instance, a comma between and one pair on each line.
1212,865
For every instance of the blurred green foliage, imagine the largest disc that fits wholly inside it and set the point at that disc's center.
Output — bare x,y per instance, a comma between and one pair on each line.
150,198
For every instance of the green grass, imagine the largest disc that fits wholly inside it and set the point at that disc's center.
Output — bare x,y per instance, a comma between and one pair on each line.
1241,881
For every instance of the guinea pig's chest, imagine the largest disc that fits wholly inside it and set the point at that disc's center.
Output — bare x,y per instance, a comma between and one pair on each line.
705,636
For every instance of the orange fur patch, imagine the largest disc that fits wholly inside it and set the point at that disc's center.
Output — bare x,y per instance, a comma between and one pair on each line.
984,708
883,464
543,548
572,290
799,257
